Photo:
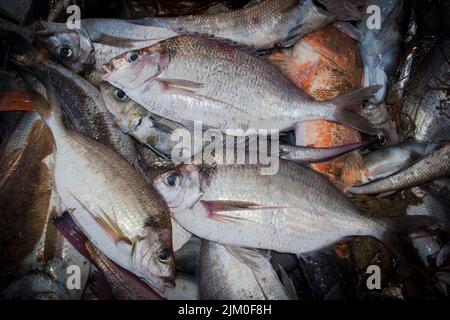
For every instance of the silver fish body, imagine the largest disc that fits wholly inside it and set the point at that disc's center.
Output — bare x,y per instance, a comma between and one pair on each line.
383,162
381,47
425,102
433,166
133,119
84,107
297,210
226,276
188,79
109,200
312,155
265,24
85,50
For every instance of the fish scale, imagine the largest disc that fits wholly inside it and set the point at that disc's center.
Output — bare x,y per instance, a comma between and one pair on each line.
434,166
294,203
188,79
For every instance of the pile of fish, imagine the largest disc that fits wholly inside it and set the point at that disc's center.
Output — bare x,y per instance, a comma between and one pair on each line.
349,99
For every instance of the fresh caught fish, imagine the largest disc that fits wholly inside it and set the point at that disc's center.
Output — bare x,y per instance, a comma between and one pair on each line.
314,155
24,193
83,105
188,79
298,210
122,284
383,162
324,64
85,50
149,129
433,166
425,102
381,47
266,24
109,200
433,204
237,274
380,50
30,243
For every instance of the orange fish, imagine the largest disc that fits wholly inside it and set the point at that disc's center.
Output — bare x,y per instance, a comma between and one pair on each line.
325,64
15,100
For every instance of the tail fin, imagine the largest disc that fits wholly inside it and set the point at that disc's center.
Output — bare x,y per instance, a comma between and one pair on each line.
50,111
348,109
396,235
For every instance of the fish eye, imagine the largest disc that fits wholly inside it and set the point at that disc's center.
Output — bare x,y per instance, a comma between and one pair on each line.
65,52
120,95
132,56
171,179
164,255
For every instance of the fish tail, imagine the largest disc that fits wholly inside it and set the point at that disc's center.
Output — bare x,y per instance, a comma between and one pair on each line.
50,111
397,229
348,109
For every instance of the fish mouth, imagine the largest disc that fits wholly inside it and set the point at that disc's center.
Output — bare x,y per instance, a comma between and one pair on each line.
108,68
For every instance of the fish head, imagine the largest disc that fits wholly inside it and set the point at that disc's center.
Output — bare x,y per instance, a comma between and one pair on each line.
135,68
153,259
117,102
181,188
72,47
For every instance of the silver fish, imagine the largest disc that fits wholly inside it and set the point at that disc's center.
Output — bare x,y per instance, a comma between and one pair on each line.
109,200
265,24
383,162
314,155
82,104
149,129
229,273
381,47
426,105
188,79
298,210
434,166
85,50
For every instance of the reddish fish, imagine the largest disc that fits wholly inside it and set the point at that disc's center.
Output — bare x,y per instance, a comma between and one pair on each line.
325,64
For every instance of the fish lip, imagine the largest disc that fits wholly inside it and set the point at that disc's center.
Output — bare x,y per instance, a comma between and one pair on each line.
169,284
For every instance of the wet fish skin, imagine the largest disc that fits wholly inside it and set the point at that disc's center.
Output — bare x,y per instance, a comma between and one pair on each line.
223,276
297,210
434,166
381,48
24,193
314,155
425,101
325,64
187,257
96,42
266,24
327,276
385,161
36,286
109,200
149,129
181,77
85,109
